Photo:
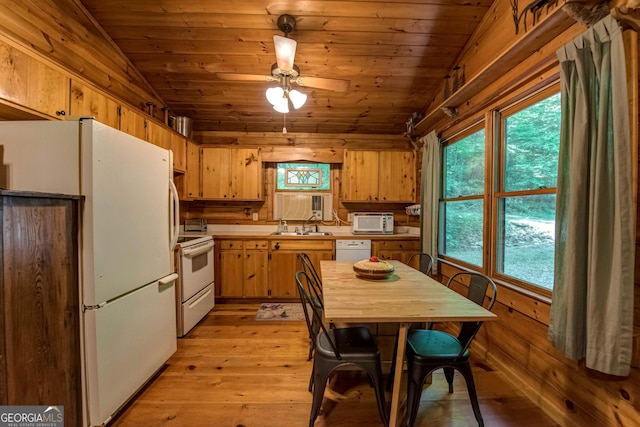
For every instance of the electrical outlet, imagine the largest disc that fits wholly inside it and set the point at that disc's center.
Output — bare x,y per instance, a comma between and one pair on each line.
255,216
349,217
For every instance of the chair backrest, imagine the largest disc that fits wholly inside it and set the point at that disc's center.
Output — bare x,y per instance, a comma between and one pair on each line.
478,285
310,269
312,312
426,262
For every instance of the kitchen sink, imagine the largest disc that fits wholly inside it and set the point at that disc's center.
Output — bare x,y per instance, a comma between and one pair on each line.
306,233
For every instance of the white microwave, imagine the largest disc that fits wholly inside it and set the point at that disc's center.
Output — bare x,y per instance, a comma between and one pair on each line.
372,223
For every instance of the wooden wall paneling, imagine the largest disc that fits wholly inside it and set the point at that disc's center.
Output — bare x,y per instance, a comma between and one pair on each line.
66,34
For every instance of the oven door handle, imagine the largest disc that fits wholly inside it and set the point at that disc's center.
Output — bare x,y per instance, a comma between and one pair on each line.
190,253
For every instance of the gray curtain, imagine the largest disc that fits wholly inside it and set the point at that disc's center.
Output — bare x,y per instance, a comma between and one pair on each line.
592,304
429,194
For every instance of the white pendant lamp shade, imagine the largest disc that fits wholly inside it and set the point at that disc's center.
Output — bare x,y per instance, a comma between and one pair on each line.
275,95
297,98
281,106
285,52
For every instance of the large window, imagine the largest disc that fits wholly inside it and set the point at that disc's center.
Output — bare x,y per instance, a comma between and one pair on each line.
462,205
500,216
526,196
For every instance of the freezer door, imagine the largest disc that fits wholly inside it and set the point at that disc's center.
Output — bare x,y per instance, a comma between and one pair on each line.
126,222
126,342
40,156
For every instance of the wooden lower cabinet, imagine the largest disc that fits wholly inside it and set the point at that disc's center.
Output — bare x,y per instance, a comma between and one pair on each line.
243,267
284,263
39,297
264,268
395,249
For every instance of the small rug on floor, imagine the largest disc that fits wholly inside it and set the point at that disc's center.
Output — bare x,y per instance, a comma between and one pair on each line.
280,311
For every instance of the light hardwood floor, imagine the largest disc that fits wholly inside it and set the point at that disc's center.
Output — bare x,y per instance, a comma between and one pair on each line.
234,371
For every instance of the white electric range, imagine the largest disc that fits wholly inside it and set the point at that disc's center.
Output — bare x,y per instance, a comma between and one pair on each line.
195,295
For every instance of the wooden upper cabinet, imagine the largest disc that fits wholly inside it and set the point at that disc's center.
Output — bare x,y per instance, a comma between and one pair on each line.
33,84
378,176
86,102
397,176
132,122
158,134
231,173
179,147
192,174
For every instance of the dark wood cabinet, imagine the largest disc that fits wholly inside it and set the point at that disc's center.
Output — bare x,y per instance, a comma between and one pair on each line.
40,361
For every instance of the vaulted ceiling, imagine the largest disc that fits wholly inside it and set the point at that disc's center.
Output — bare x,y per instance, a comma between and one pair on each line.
395,53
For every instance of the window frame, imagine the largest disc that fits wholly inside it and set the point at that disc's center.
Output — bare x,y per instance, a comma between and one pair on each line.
491,119
471,127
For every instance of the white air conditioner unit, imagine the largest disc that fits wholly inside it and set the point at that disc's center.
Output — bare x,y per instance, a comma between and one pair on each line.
302,206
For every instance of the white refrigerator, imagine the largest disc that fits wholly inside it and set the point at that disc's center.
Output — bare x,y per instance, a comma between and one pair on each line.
128,232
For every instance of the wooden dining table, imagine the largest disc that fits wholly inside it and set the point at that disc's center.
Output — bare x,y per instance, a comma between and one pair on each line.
405,297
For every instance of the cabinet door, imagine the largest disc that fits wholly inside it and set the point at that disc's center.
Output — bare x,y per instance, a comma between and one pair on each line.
158,135
179,148
360,176
231,273
32,84
283,266
397,179
48,90
132,122
192,174
87,102
216,170
246,174
256,273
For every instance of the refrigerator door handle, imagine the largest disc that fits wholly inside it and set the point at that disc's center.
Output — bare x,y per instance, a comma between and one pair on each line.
174,215
168,279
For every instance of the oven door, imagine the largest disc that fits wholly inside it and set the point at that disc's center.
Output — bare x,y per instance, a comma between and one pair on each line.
196,268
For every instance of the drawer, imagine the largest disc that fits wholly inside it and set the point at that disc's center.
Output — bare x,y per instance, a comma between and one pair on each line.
230,244
256,244
302,245
196,307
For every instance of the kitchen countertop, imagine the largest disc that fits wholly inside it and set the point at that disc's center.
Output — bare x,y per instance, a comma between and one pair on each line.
264,231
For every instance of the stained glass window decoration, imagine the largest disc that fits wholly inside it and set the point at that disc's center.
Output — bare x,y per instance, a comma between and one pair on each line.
303,176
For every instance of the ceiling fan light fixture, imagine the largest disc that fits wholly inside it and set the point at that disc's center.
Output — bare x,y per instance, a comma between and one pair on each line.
282,106
275,95
297,98
285,52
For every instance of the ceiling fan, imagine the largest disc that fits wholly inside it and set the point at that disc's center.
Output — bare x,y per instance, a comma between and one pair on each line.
285,72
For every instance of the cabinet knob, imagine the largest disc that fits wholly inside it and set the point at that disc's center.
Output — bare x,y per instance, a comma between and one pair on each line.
277,246
60,113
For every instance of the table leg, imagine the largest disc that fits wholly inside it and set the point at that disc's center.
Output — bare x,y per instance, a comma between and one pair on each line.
397,383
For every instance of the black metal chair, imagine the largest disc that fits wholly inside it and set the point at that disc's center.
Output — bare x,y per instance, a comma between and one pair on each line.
314,289
426,262
428,350
336,348
425,266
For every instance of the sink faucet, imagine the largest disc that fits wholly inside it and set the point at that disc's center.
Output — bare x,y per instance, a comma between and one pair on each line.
307,221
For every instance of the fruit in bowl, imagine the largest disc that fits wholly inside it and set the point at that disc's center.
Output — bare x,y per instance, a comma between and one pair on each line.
373,268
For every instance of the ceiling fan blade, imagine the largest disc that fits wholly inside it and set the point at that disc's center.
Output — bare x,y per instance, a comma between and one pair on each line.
285,52
245,77
337,85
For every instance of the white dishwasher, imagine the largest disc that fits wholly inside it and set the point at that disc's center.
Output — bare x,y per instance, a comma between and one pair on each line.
353,250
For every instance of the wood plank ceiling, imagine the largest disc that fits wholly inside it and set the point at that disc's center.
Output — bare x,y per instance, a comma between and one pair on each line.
395,53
